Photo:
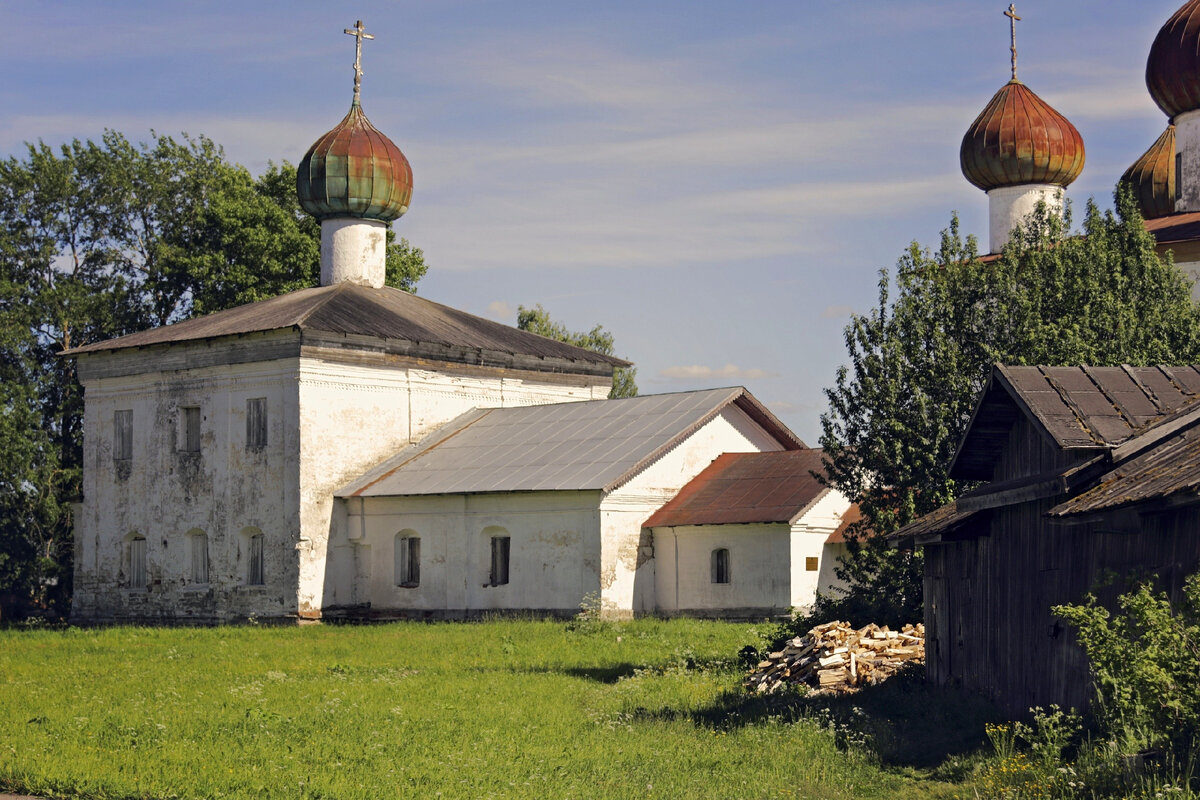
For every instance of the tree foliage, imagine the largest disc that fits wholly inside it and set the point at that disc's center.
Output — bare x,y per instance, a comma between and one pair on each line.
919,359
598,340
101,239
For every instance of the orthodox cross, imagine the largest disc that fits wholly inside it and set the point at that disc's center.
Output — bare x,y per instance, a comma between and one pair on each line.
1013,18
358,32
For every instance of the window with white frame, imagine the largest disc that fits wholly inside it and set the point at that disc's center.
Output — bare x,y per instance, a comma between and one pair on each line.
720,565
408,559
122,435
256,423
198,541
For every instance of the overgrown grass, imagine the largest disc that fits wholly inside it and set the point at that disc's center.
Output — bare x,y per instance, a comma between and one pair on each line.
498,709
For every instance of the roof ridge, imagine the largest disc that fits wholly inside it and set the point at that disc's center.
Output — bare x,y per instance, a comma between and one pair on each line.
338,288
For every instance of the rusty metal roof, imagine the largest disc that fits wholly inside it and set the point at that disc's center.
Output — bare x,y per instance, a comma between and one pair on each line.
591,445
1018,138
354,170
1079,408
852,515
1173,67
747,487
350,309
1175,228
1152,177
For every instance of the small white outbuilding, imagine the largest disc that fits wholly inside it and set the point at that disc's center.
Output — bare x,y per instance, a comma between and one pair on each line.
754,534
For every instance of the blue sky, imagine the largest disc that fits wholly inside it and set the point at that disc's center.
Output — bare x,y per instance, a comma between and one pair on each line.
716,183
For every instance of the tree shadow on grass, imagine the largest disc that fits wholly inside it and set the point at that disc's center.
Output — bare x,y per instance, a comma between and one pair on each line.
905,721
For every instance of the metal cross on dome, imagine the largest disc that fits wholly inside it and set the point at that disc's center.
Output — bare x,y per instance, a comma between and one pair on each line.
359,33
1011,13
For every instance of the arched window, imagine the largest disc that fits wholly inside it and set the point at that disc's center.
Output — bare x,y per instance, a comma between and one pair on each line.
198,548
501,547
408,559
252,558
135,545
720,565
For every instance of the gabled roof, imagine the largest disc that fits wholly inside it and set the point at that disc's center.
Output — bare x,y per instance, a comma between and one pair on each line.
1077,408
747,487
350,309
597,444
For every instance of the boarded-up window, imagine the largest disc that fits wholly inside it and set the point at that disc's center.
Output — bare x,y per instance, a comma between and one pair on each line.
137,562
256,423
500,550
189,433
122,435
408,559
811,563
199,542
254,560
720,565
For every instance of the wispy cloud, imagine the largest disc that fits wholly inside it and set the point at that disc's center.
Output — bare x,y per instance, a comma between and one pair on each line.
697,372
502,311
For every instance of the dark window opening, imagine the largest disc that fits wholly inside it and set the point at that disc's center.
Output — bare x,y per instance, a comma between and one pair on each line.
122,435
500,550
720,565
408,561
256,423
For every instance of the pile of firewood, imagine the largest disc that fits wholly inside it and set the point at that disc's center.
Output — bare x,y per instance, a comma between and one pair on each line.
835,657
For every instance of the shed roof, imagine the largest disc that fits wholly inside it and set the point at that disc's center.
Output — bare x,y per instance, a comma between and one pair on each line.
597,444
1078,408
852,515
348,308
747,487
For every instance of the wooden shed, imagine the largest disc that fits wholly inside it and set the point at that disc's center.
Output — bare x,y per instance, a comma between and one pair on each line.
1091,473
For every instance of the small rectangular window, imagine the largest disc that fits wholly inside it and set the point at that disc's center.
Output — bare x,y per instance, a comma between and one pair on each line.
256,423
122,435
1178,176
199,558
500,550
811,563
254,566
720,565
408,561
190,429
137,563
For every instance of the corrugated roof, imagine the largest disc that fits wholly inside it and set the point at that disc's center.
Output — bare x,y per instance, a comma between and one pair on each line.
596,444
1079,408
347,308
746,487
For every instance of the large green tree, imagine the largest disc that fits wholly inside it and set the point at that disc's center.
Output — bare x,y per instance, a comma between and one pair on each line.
100,239
598,340
919,359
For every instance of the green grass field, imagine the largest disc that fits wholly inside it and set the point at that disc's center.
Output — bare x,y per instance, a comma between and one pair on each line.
645,709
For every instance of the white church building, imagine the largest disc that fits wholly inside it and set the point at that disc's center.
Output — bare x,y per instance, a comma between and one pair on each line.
353,450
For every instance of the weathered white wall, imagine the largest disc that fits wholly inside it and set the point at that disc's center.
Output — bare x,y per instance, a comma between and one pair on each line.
1008,206
353,416
1187,146
627,551
829,583
222,490
759,555
353,251
554,558
808,534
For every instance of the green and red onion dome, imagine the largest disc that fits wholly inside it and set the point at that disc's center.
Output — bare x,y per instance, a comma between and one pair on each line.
1152,177
1173,68
354,171
1017,139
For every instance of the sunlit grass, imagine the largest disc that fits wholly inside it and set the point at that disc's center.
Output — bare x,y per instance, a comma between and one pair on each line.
495,709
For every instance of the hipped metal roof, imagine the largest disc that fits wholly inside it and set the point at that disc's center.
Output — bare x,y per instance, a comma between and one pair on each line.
745,488
350,309
591,445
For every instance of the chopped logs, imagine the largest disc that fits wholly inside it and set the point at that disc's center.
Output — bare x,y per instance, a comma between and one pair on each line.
835,657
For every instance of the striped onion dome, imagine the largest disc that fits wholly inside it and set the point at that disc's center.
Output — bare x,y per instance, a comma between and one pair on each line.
1173,68
1018,138
354,171
1152,177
